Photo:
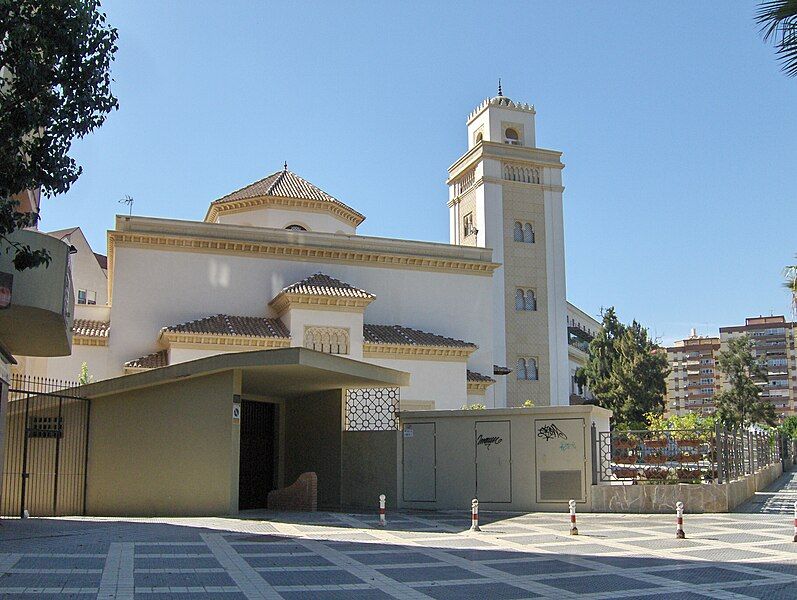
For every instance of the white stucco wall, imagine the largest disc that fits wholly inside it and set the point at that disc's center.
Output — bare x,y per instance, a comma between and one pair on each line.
86,271
296,319
68,367
441,382
154,288
280,218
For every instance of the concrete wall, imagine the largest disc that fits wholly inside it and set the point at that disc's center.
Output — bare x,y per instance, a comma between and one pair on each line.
165,450
457,479
368,468
313,427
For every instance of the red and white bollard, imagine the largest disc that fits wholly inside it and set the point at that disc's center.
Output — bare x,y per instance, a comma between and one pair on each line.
474,515
382,521
573,528
795,522
679,519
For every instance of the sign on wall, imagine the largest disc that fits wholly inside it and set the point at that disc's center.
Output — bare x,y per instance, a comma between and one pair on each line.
560,449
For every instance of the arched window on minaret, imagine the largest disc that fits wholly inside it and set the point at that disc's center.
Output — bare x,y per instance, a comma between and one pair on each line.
531,370
528,233
511,137
520,300
531,301
520,371
518,231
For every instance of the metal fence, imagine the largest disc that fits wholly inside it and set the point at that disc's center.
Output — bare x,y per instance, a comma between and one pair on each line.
682,455
44,469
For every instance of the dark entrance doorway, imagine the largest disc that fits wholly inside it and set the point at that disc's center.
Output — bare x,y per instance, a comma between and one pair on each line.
258,453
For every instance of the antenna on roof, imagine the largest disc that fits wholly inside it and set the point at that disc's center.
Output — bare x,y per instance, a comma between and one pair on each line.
500,91
285,166
129,201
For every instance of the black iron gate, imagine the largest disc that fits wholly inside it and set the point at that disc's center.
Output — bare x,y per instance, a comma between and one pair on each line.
46,449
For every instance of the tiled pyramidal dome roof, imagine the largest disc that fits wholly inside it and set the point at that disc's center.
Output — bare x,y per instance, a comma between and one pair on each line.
232,325
285,184
398,334
324,285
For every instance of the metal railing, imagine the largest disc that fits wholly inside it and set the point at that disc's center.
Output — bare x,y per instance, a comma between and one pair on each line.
682,455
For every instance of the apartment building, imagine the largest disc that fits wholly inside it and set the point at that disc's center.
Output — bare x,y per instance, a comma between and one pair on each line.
694,379
773,339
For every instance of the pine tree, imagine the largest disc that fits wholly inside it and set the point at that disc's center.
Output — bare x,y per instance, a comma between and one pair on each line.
742,404
625,370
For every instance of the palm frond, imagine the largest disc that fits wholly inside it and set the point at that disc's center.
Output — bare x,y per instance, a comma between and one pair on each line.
778,20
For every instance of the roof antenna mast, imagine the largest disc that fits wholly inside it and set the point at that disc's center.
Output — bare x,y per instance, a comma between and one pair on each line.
500,91
285,166
129,201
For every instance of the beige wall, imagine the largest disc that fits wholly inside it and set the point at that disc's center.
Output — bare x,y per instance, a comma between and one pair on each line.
455,444
313,427
164,450
525,266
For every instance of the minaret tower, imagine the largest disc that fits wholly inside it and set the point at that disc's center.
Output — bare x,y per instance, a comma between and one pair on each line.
506,194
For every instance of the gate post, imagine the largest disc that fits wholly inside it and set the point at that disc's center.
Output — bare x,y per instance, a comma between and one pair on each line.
24,474
595,450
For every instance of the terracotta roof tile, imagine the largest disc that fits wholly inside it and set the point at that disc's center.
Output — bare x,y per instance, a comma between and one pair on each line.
150,361
89,328
474,376
398,334
233,325
324,285
285,184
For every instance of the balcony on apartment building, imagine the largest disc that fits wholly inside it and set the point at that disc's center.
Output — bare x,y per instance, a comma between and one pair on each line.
37,318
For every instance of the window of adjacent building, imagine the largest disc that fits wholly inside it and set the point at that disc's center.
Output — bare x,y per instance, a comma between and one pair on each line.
525,299
523,232
511,137
526,369
86,297
468,224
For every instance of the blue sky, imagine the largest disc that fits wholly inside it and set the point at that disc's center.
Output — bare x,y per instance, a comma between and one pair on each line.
678,130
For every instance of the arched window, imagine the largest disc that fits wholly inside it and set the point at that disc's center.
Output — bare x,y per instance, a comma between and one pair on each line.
511,137
528,233
296,228
479,137
531,301
518,231
520,370
520,300
531,369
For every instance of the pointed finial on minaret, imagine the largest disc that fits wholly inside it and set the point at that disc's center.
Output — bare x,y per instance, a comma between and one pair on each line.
285,166
500,91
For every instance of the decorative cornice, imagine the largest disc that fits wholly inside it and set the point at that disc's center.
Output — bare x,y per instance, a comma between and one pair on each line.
85,340
183,340
479,387
539,157
416,352
283,301
233,206
285,251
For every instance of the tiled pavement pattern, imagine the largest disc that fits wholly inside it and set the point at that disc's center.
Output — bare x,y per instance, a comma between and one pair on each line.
329,556
779,498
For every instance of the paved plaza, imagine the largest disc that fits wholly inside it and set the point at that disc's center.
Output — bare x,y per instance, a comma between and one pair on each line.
418,555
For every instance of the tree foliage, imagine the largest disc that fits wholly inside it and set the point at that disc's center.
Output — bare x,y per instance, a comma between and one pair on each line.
742,404
625,370
790,273
778,21
789,427
55,86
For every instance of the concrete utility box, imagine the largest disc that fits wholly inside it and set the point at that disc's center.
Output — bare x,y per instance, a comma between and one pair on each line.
525,459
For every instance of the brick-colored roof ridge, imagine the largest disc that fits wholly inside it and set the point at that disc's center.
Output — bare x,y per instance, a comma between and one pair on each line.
222,324
285,184
149,361
90,328
320,284
398,334
475,376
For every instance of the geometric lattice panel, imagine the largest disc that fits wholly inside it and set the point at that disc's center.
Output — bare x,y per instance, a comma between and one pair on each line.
372,409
